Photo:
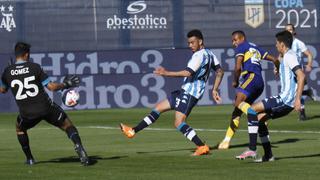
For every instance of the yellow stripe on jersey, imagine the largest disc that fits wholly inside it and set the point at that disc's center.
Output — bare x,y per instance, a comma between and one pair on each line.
247,56
244,73
265,54
245,84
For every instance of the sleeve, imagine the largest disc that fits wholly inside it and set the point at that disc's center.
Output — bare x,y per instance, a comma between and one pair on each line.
215,64
292,62
240,50
194,63
263,53
43,77
302,46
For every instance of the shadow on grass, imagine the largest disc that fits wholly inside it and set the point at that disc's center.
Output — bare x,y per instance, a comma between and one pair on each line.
273,145
73,159
312,117
298,157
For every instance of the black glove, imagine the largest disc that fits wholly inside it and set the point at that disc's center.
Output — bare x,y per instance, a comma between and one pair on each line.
71,81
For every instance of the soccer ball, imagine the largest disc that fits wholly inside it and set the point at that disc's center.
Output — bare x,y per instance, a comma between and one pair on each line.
70,98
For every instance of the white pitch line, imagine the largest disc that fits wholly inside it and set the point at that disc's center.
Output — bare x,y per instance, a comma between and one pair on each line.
171,129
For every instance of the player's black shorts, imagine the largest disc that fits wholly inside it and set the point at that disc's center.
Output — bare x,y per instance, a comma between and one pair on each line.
275,108
182,101
55,116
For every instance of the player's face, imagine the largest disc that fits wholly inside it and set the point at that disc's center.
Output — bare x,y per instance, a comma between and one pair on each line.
194,43
236,40
290,29
279,46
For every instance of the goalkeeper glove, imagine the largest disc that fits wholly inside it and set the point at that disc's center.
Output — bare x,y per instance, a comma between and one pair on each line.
71,81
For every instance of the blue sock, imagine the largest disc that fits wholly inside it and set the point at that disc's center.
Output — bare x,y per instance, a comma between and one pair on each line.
252,128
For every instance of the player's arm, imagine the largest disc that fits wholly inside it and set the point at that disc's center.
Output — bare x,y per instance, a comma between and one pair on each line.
310,59
3,87
68,82
237,70
300,78
275,61
161,71
218,78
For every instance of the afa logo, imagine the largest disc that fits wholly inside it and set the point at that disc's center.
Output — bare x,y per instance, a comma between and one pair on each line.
254,12
7,20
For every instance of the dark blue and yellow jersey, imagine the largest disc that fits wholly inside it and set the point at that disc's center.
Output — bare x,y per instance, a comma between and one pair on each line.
252,56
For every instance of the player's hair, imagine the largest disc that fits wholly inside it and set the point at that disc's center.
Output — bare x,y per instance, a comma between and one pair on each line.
195,32
293,28
21,49
285,37
239,32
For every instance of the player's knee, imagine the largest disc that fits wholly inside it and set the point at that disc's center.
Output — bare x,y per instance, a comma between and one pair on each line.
66,124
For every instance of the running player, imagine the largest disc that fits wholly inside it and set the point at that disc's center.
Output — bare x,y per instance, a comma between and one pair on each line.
26,81
299,47
292,81
248,57
182,101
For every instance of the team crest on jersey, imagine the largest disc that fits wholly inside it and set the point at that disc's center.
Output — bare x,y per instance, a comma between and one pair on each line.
7,19
254,12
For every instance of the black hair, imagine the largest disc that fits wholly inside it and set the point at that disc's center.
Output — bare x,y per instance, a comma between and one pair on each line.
239,32
293,28
285,37
21,49
195,32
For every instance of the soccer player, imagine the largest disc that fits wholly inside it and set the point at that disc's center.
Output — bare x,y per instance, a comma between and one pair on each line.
26,81
292,81
182,101
248,57
299,47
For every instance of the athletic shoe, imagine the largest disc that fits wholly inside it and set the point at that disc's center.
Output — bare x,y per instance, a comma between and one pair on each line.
224,145
302,115
201,150
84,159
128,131
264,159
30,162
247,154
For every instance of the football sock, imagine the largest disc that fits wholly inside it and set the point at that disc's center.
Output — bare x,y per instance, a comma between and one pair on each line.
252,124
147,121
190,134
264,138
24,142
73,134
234,125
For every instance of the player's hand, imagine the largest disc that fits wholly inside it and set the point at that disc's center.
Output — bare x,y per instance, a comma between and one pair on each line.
160,71
71,81
235,84
216,97
297,105
308,68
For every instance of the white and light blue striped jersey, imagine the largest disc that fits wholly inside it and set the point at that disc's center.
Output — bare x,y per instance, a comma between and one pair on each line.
299,47
288,80
199,66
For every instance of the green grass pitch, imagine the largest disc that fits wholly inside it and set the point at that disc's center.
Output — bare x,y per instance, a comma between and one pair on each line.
161,152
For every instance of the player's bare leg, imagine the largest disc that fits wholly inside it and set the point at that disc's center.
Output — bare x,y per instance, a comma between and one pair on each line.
190,134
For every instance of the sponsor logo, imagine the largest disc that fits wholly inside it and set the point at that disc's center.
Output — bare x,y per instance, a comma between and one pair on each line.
254,13
135,20
136,7
7,20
